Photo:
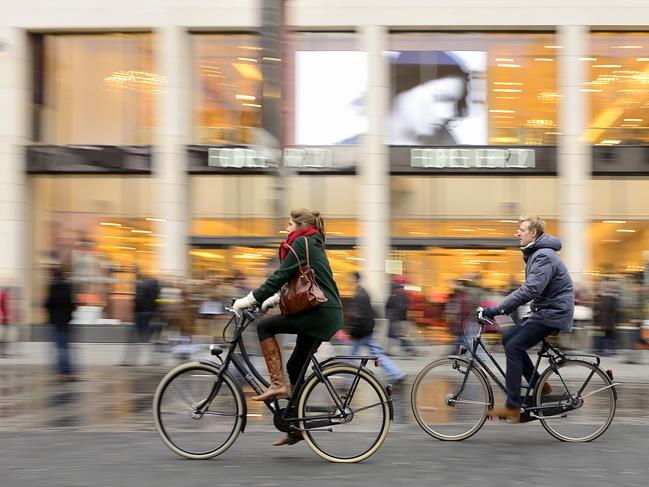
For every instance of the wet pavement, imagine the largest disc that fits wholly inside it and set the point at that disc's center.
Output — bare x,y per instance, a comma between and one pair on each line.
118,399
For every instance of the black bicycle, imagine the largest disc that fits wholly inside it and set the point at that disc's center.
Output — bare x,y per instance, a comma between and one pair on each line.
342,408
451,397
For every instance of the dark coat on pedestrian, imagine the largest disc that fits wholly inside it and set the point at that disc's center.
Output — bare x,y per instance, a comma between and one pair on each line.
360,315
326,319
396,309
60,302
147,291
547,285
607,312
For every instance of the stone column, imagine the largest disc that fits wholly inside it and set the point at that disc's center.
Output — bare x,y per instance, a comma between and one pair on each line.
574,152
14,134
170,161
373,170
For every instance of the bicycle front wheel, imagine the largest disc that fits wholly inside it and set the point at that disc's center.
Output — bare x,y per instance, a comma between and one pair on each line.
581,404
449,400
351,435
187,432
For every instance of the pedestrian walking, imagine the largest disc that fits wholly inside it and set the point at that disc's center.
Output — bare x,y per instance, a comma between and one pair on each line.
60,305
396,311
359,325
147,291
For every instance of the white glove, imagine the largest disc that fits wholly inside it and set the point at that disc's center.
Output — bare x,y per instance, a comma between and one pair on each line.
270,303
242,303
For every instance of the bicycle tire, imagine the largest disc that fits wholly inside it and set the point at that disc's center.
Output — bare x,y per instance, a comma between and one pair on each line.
592,417
369,409
179,430
431,394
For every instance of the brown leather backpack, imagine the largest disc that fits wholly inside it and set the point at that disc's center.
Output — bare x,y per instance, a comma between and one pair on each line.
301,292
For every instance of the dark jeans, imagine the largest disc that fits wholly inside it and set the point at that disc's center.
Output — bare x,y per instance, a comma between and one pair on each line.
62,341
517,340
280,325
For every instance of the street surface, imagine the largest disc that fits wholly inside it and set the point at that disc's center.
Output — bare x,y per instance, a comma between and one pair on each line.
99,432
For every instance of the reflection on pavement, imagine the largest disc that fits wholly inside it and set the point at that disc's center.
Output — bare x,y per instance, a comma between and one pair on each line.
116,399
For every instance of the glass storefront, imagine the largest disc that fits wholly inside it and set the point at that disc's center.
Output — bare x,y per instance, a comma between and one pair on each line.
95,89
101,229
619,88
473,89
227,81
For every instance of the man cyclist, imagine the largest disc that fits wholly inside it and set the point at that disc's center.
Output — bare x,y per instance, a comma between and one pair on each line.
549,287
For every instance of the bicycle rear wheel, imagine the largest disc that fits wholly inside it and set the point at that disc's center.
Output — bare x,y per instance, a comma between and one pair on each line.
581,404
441,409
188,433
359,432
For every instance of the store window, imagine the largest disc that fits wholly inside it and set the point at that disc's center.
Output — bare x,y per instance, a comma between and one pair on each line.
94,89
619,88
472,89
227,71
102,230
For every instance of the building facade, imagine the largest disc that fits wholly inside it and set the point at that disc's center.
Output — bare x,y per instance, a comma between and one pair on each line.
137,136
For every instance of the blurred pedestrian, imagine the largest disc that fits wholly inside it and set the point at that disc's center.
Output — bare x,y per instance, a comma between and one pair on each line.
461,313
60,305
359,325
147,291
606,318
4,318
396,311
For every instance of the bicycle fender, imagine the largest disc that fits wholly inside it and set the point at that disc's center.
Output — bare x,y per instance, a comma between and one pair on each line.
244,409
481,373
369,372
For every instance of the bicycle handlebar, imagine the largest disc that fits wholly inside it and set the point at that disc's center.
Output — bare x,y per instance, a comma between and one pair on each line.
479,310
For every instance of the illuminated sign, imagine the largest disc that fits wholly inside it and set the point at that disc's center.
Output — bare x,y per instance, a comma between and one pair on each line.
467,158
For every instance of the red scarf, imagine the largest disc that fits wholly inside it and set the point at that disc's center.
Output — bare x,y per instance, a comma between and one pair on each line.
292,237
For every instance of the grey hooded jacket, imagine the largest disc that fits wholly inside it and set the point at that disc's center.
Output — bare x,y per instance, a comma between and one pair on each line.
547,284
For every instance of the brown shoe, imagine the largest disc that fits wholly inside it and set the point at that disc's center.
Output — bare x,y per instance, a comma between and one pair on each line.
505,413
291,438
273,358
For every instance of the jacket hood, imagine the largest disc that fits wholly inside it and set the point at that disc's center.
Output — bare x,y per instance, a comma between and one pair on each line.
545,241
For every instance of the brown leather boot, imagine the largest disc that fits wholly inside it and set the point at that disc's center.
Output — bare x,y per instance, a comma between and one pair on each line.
273,358
505,413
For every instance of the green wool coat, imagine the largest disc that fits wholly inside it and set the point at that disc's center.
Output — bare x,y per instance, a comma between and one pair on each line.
320,322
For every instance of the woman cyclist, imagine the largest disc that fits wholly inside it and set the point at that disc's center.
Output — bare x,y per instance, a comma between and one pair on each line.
311,326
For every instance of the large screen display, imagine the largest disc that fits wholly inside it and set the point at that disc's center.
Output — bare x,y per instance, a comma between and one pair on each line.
438,98
330,87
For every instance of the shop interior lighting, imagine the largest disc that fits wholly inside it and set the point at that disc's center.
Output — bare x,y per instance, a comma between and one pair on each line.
248,59
591,90
588,59
246,97
625,230
141,231
610,142
553,47
508,65
507,90
606,66
250,48
544,59
502,111
504,60
633,120
155,219
626,47
254,105
616,222
642,59
505,97
508,83
110,224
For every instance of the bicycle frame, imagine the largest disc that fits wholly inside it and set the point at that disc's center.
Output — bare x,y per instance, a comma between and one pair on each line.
242,363
554,356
